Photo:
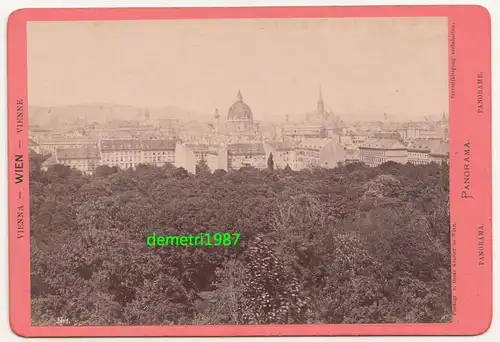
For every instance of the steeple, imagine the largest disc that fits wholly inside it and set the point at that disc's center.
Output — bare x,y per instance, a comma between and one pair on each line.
321,105
239,97
216,116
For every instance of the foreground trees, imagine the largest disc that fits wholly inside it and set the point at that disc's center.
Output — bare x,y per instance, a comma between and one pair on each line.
346,245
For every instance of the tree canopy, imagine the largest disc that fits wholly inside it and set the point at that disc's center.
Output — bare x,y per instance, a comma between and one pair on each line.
351,244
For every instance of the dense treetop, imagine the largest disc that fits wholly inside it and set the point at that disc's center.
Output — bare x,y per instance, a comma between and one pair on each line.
347,245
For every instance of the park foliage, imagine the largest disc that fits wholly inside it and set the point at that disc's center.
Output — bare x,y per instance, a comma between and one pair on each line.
352,244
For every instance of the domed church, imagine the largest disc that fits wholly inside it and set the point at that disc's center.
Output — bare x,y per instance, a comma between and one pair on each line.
239,116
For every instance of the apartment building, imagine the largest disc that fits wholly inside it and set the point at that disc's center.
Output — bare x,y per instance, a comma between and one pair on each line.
85,160
378,151
246,154
158,152
283,153
322,152
121,153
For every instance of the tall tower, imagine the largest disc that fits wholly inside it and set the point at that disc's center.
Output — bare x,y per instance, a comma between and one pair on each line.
321,105
216,116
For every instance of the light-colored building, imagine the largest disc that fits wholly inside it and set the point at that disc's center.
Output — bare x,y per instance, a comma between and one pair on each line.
346,140
351,154
200,151
387,135
440,153
217,158
185,158
246,154
303,131
121,153
50,145
322,152
283,153
434,132
378,151
410,133
83,159
158,152
419,149
357,137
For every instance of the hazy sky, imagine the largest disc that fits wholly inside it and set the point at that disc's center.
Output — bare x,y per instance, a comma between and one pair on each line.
364,66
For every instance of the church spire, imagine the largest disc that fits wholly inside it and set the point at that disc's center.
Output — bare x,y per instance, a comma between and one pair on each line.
321,105
239,97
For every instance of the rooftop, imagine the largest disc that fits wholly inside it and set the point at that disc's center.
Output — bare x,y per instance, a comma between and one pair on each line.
121,145
383,144
49,162
246,148
441,149
285,145
314,142
78,153
422,145
158,145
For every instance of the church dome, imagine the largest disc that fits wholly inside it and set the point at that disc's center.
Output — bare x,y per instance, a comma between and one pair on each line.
239,111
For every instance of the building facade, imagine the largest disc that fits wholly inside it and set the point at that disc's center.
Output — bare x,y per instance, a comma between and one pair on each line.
283,153
419,149
121,153
85,160
185,158
322,152
217,158
50,145
158,152
440,154
375,152
246,154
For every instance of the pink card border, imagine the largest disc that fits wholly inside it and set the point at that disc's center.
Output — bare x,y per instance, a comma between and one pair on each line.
472,291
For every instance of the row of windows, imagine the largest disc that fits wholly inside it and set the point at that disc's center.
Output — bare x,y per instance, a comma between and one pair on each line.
84,167
419,162
373,159
373,153
308,153
77,161
315,160
120,159
244,157
418,154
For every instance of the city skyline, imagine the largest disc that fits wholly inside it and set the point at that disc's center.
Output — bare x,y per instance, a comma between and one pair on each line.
111,62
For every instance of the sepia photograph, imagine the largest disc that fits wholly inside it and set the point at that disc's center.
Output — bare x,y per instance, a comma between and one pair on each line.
239,171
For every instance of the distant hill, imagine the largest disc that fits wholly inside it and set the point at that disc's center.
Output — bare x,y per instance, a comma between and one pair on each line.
175,113
101,112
